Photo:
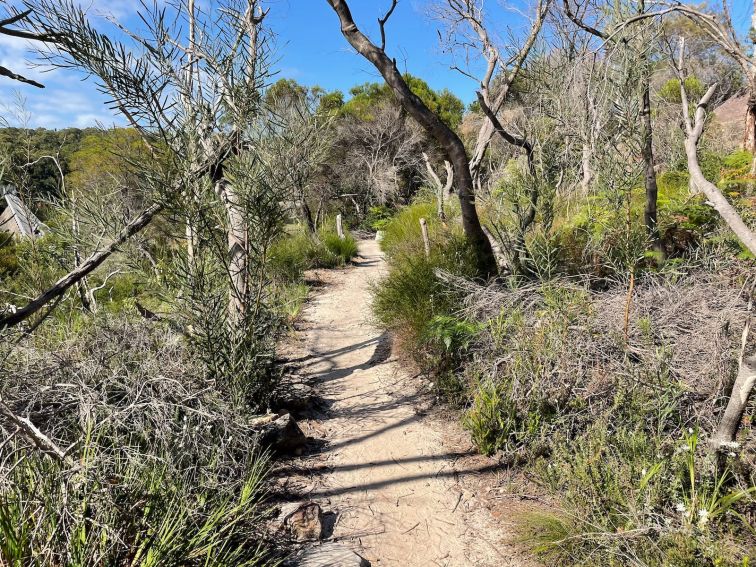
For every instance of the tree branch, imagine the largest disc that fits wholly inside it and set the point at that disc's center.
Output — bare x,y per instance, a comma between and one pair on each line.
382,23
86,268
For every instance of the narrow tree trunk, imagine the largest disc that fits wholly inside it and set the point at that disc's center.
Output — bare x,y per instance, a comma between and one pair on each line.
736,405
647,150
586,171
717,200
237,251
443,190
306,213
749,134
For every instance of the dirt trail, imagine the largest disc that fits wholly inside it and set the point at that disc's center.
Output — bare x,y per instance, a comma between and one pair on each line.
404,483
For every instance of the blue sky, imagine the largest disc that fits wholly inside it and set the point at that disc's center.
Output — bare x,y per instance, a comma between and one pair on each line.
309,49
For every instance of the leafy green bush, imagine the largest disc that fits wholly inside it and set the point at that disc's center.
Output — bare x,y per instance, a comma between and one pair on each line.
412,294
416,303
377,217
492,420
8,255
293,254
737,163
402,236
344,249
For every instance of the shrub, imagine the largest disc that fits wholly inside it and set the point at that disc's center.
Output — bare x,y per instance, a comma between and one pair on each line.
415,300
377,218
344,249
402,236
8,255
291,255
602,418
159,468
412,294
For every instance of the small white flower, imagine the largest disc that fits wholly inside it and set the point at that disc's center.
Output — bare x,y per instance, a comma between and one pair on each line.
690,430
680,507
643,472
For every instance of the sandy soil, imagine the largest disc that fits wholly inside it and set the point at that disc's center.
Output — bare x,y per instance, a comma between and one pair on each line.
404,483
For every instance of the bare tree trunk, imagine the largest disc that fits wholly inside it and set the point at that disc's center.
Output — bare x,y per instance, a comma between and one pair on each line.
586,169
306,213
443,190
647,149
749,133
238,255
741,392
717,200
433,125
694,130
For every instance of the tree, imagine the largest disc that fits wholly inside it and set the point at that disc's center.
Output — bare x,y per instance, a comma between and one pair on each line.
614,34
304,127
381,155
369,96
466,29
721,30
194,100
693,124
434,126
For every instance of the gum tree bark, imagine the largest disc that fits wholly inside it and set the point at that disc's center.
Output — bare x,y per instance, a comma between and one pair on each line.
433,125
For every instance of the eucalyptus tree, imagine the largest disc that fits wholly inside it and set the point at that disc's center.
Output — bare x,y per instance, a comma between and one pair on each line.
442,134
470,36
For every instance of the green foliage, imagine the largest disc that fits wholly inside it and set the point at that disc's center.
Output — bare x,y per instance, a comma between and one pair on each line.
443,103
8,256
452,334
174,479
738,163
627,487
343,249
42,179
412,293
402,235
492,420
416,303
291,255
670,91
378,217
141,517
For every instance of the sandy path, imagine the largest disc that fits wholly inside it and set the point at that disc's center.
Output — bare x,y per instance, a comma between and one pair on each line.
395,477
